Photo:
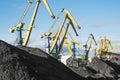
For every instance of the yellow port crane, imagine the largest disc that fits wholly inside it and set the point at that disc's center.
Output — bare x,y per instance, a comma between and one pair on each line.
54,45
71,20
74,44
27,35
104,47
88,45
20,25
72,50
67,14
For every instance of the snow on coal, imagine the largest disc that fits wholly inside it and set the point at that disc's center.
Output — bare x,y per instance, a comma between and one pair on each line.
18,64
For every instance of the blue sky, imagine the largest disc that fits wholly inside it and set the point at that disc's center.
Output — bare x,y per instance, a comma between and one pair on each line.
100,17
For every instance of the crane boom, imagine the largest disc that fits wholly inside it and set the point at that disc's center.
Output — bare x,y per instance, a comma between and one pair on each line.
73,28
49,31
110,44
71,21
58,16
27,35
72,40
93,39
26,10
55,49
72,18
48,8
20,25
87,48
67,45
57,35
64,36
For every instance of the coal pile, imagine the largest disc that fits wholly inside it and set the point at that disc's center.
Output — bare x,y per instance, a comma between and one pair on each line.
25,63
115,60
101,69
109,68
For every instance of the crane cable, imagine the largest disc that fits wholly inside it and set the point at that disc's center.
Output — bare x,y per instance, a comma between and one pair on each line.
26,10
49,32
55,21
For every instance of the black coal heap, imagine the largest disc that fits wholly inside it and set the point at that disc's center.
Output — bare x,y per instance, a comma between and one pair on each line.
19,64
27,63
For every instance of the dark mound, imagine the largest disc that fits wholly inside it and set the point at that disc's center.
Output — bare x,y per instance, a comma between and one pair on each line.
35,51
115,60
109,68
18,64
100,69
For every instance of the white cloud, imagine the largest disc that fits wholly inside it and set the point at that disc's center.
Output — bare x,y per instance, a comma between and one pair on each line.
99,24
